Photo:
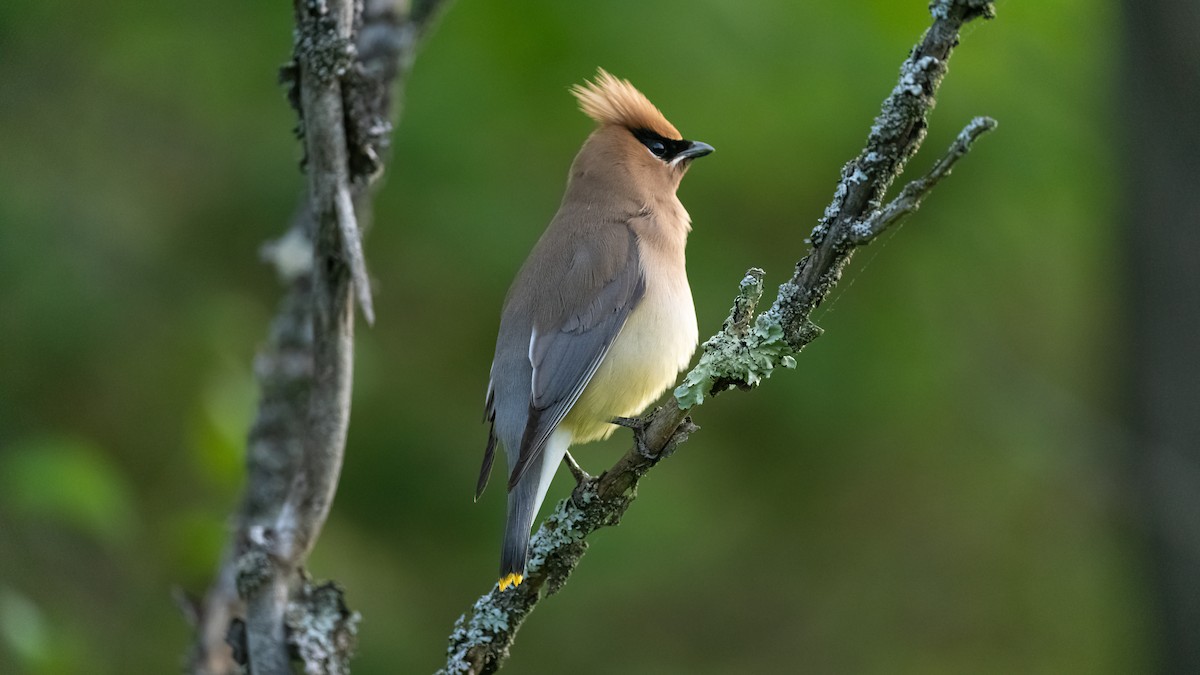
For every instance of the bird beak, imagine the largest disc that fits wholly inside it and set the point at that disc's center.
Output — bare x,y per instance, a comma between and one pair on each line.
696,149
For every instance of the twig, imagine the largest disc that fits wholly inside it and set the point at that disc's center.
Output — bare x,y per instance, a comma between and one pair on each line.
910,197
341,82
748,348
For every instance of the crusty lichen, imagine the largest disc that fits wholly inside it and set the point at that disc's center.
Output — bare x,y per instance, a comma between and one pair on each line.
742,353
322,629
730,362
567,525
940,9
554,551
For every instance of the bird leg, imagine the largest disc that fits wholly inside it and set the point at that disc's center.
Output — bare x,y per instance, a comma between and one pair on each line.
580,475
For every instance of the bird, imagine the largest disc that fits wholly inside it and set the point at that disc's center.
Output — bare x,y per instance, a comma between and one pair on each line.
599,320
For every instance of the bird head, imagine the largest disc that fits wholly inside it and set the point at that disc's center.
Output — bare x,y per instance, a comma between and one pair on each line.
634,141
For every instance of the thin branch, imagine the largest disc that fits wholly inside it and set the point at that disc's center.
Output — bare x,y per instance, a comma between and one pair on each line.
746,350
346,70
909,199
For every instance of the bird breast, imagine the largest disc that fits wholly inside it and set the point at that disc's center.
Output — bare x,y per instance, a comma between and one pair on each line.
656,343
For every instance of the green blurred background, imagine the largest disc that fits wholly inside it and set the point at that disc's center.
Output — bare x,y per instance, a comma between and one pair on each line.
938,488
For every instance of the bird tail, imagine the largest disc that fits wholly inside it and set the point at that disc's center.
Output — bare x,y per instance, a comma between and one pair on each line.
521,510
524,500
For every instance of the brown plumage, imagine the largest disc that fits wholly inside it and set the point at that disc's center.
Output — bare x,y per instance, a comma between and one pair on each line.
610,100
599,320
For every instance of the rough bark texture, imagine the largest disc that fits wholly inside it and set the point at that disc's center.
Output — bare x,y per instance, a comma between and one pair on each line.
349,59
1160,93
748,347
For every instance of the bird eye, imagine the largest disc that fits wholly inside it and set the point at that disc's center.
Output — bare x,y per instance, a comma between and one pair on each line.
657,145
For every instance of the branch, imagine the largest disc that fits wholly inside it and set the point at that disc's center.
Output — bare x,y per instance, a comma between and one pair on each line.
910,197
748,348
349,58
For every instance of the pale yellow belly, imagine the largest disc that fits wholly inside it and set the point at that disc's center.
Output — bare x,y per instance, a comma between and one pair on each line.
656,344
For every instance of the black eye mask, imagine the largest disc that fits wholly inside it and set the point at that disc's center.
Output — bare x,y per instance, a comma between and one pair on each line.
665,149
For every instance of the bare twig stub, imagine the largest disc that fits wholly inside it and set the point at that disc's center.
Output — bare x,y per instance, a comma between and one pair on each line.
748,347
349,58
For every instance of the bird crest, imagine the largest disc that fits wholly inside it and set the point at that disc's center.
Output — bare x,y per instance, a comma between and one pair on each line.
611,100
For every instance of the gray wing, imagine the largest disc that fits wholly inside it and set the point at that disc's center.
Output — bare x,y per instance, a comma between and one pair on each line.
567,346
489,453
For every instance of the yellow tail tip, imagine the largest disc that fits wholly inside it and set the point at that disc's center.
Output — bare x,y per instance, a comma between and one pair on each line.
513,579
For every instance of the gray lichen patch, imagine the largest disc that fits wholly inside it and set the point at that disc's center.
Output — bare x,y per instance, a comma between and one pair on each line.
941,9
486,623
729,361
253,570
322,51
566,526
742,353
322,629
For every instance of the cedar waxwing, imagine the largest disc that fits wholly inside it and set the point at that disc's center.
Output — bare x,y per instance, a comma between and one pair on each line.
599,320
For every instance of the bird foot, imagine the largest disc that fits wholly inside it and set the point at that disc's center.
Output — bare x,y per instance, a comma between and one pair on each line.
639,426
581,476
634,423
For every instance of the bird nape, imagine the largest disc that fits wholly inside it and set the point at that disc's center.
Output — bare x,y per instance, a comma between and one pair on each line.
599,320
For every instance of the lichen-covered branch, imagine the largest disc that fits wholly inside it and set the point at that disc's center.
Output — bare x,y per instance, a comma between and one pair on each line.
744,352
349,59
909,199
748,348
482,637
